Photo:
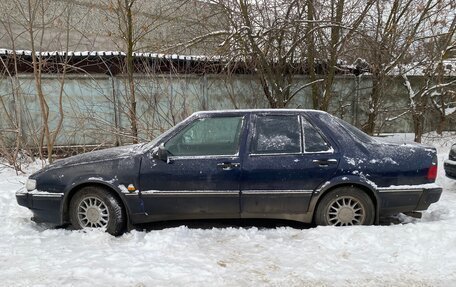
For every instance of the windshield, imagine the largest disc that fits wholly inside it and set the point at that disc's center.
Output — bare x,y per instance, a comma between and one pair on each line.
156,140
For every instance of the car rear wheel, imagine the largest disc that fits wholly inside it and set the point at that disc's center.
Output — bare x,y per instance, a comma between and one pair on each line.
94,207
345,206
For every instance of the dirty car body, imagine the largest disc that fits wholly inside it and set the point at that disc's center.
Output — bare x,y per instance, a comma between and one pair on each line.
301,165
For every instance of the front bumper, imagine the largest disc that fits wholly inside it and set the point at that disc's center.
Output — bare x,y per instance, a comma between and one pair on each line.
398,199
46,206
450,168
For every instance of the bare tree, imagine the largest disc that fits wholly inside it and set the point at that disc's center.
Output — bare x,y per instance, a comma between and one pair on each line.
267,36
123,9
274,37
343,18
134,28
444,98
35,18
419,102
12,119
390,32
431,84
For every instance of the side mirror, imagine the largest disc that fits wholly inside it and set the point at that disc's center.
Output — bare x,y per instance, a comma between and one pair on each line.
161,153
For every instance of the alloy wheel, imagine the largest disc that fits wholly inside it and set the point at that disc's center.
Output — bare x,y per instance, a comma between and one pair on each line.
93,212
345,211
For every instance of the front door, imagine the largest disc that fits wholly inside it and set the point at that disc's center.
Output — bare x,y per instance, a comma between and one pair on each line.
287,160
202,175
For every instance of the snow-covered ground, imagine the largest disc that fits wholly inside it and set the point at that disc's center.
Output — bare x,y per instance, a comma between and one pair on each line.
419,252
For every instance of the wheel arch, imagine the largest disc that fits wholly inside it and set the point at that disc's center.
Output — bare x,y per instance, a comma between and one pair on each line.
368,189
75,189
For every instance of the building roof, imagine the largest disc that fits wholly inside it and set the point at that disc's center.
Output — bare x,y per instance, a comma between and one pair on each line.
113,62
108,62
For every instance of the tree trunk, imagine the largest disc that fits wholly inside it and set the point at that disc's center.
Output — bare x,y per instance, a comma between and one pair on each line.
311,54
333,54
441,124
130,71
369,126
418,124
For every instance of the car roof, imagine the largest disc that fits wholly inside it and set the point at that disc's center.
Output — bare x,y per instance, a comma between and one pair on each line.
271,111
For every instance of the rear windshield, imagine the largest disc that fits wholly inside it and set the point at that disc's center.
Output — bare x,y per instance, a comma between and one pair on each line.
351,130
356,133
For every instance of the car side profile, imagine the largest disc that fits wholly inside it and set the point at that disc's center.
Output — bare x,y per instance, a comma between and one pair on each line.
301,165
450,164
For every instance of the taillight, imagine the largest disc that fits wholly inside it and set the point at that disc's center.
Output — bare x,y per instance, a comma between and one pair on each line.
432,172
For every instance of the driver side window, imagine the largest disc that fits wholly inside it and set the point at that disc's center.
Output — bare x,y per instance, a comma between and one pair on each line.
207,136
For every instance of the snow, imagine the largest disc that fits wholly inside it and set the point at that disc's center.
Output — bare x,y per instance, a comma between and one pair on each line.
274,143
412,94
420,69
123,189
449,111
356,161
112,53
384,160
417,186
41,193
417,252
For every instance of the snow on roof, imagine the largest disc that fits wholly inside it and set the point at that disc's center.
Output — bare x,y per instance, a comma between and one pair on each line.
111,53
420,69
360,66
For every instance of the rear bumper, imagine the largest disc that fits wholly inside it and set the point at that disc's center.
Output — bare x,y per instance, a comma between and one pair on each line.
429,196
46,207
408,198
450,168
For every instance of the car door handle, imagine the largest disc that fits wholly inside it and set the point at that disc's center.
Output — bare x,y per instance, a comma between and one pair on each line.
325,162
228,165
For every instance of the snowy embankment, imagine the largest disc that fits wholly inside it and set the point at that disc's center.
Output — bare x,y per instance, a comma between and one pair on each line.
420,252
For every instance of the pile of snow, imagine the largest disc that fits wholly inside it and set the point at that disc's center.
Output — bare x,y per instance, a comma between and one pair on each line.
419,252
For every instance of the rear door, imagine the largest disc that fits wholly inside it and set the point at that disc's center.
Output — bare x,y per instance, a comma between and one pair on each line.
287,160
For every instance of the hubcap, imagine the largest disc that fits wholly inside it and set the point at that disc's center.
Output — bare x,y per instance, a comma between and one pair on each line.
92,212
345,210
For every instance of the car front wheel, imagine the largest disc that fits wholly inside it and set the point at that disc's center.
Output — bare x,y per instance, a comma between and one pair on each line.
345,206
94,207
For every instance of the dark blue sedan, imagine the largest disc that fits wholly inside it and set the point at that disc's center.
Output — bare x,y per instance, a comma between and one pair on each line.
301,165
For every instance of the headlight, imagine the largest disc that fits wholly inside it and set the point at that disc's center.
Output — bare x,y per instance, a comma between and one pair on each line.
30,184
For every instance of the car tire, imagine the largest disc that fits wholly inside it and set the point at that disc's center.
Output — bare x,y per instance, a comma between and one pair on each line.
95,207
345,206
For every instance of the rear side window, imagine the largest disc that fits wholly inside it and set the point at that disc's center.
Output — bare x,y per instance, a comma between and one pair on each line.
313,141
276,134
